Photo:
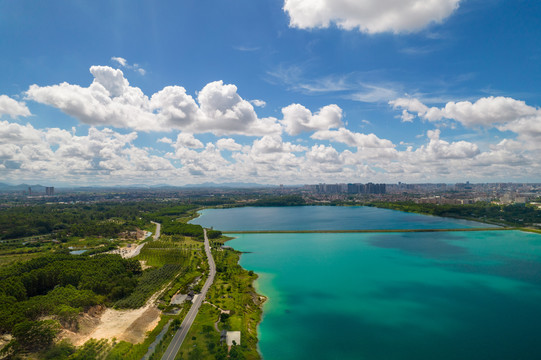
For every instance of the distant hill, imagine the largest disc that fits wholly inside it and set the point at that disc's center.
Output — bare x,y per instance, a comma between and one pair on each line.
37,189
238,185
22,187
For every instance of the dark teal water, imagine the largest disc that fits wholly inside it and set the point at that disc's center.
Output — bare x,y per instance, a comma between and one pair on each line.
323,218
456,295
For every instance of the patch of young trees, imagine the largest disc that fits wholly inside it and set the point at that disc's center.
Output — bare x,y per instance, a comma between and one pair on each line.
151,281
59,285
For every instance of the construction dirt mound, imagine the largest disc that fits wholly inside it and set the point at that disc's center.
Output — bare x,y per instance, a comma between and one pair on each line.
126,325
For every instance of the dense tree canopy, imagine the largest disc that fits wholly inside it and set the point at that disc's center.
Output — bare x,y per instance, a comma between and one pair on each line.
63,285
515,215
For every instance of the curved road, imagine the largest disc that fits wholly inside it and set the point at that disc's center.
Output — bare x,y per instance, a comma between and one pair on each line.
138,248
179,337
158,228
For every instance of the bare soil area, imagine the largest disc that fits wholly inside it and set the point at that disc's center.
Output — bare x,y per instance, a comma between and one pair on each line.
128,251
128,325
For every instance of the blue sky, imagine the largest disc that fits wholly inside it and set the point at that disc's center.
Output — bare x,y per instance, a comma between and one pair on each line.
282,91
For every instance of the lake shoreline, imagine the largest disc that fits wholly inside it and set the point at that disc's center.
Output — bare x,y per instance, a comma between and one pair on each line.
280,306
364,231
263,299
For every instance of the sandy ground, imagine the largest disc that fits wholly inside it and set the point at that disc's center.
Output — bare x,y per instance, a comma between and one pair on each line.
128,252
127,325
5,339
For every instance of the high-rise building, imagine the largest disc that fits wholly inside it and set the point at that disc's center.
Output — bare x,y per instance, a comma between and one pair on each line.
49,190
356,188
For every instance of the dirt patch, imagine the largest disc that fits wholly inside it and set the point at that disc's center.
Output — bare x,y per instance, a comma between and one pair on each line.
137,331
127,325
144,265
128,251
5,339
86,323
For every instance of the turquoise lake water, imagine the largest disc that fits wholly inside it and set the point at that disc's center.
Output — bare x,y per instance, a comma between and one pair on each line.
455,295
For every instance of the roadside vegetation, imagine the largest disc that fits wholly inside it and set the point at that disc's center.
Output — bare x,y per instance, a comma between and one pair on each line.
232,305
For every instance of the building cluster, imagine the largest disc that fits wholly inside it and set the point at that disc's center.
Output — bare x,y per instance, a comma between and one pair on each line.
417,188
468,193
433,193
49,191
357,188
436,193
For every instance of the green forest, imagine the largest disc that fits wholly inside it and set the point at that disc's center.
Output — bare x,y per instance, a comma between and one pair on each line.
62,285
46,292
106,219
510,215
63,220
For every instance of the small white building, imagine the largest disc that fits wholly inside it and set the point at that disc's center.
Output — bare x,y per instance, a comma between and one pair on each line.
231,336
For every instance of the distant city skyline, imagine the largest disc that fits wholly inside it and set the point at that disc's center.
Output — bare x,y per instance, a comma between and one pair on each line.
269,92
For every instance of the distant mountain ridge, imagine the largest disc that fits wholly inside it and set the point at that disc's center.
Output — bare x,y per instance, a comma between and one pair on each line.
22,187
41,189
229,185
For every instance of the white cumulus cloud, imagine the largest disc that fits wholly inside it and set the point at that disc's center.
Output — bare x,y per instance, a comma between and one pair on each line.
503,113
370,16
225,112
298,119
18,134
438,149
323,154
354,139
111,101
258,103
228,144
274,144
55,154
484,112
12,108
410,104
189,141
119,60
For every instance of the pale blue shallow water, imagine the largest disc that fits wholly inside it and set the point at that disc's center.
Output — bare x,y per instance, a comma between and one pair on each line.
455,295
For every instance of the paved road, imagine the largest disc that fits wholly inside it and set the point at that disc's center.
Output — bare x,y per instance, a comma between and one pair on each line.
179,337
138,248
135,252
158,228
